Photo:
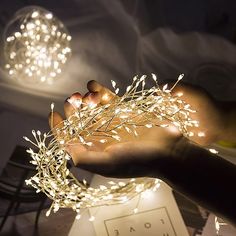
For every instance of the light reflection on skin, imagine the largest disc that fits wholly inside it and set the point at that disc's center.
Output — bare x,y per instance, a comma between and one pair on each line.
105,97
173,129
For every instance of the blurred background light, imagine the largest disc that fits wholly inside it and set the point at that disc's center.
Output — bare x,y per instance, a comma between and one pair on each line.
36,45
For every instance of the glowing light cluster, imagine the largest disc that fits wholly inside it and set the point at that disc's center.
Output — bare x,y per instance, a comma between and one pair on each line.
103,124
36,45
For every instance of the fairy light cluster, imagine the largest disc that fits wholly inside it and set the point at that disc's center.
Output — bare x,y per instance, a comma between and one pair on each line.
36,45
91,125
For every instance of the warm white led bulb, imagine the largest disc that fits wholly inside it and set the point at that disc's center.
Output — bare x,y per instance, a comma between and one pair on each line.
36,45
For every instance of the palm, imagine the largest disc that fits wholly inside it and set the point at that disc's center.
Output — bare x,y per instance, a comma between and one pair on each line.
208,115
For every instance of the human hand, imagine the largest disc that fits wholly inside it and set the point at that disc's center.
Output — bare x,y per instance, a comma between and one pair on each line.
150,144
212,122
158,139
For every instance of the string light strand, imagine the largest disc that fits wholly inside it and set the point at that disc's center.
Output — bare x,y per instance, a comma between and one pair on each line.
88,126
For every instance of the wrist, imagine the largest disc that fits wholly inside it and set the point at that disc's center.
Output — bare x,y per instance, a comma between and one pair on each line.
205,178
172,166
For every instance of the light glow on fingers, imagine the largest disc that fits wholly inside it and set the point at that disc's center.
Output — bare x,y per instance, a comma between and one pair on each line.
75,102
173,129
180,94
201,134
91,105
105,97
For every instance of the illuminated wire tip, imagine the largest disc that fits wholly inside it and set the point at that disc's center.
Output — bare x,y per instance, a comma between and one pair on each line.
135,210
52,106
26,139
92,218
180,77
48,213
212,150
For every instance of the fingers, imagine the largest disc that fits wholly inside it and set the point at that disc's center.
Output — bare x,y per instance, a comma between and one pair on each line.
69,109
94,86
75,100
72,104
106,95
91,99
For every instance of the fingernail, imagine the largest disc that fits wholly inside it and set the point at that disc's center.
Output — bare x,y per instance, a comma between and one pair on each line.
76,95
94,86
